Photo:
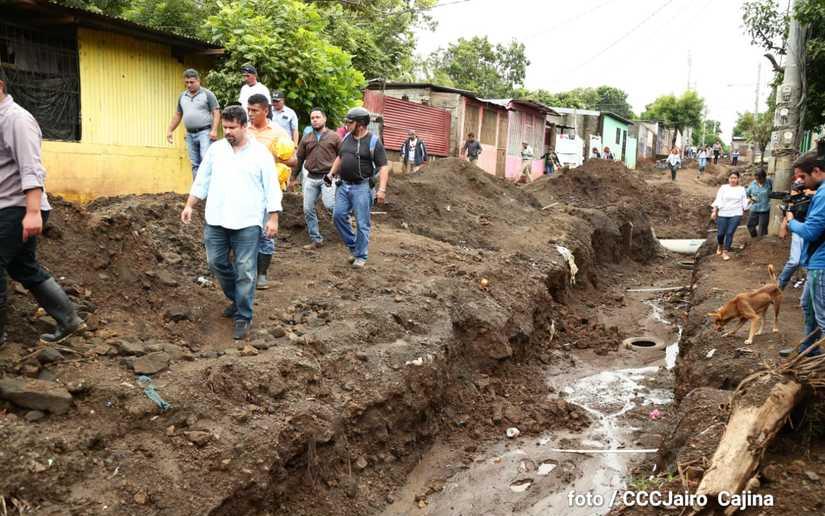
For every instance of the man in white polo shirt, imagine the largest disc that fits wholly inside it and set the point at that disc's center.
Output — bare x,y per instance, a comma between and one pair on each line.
238,180
251,86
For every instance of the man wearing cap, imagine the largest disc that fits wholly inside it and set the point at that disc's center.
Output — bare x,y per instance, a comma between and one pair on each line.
198,108
284,116
251,86
360,159
238,181
24,210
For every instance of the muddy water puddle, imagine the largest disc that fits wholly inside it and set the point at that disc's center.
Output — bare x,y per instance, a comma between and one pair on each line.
535,476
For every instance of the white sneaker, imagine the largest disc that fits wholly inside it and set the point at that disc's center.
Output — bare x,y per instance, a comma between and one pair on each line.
359,263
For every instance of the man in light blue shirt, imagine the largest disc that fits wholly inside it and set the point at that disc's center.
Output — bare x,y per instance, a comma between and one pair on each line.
284,116
239,182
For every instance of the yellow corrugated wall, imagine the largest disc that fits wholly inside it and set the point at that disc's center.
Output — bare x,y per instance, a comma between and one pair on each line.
128,91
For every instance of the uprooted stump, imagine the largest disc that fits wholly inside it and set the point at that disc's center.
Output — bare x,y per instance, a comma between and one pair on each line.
759,409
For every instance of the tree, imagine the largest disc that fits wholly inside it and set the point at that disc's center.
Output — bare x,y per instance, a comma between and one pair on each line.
758,131
676,112
767,25
477,65
712,131
379,34
602,98
286,43
185,17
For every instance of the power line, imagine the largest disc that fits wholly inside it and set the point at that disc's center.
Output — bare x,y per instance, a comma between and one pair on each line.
567,21
623,36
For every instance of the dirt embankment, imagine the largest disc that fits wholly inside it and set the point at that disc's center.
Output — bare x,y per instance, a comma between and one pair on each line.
348,375
711,366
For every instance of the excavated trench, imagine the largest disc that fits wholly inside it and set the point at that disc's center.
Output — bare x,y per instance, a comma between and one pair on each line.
485,342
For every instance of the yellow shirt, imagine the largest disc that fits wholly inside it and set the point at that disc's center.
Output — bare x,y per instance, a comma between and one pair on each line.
280,144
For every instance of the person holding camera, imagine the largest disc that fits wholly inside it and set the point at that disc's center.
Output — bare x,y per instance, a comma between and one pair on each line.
811,168
797,188
730,204
360,160
758,192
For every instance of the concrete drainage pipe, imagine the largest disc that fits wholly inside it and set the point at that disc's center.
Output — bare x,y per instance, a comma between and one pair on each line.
644,343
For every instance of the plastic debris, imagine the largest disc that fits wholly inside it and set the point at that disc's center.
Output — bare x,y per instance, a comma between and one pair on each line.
151,393
513,432
711,353
655,414
203,281
571,262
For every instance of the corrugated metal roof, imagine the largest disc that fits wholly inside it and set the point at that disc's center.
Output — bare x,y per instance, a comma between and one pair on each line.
507,103
94,20
570,111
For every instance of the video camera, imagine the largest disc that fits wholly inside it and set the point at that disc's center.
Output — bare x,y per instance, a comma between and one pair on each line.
794,201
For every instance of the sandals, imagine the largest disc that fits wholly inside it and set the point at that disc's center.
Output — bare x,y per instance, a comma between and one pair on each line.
725,256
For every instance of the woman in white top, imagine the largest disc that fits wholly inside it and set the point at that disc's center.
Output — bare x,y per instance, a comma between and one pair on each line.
674,161
730,204
703,160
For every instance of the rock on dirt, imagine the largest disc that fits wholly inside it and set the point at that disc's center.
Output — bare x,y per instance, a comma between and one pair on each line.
152,363
36,395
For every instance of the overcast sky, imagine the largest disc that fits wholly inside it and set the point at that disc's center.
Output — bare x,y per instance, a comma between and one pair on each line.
640,46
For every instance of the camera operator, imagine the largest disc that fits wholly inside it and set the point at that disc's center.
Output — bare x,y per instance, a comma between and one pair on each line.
797,188
811,168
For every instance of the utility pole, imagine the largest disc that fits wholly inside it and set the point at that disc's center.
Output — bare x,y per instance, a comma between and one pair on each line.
756,112
785,136
704,123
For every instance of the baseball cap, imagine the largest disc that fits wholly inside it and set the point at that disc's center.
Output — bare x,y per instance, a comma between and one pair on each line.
278,95
248,68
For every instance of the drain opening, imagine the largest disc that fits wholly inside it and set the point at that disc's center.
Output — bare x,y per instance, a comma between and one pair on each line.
644,343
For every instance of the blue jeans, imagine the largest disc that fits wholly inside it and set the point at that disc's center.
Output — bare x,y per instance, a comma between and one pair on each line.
355,198
793,262
197,144
813,308
312,191
236,279
266,245
725,228
703,162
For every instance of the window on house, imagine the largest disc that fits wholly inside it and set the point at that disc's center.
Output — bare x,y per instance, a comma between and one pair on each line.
618,135
41,72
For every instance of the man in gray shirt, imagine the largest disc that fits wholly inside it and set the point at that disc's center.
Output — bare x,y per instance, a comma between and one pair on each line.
284,116
200,112
24,209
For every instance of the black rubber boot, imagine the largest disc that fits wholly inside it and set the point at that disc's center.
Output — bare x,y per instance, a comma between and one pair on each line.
57,304
263,265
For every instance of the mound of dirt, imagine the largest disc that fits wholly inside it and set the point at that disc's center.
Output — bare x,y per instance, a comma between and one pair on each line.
455,201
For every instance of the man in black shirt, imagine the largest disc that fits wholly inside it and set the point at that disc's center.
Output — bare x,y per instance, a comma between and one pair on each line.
360,160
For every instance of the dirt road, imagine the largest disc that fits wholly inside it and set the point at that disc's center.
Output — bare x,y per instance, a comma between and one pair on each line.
350,378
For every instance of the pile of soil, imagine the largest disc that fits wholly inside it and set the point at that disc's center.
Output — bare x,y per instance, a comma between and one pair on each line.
602,185
348,375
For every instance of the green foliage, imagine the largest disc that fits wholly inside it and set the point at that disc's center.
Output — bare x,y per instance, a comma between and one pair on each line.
379,34
756,131
479,66
286,44
677,112
767,25
110,7
184,17
712,131
602,98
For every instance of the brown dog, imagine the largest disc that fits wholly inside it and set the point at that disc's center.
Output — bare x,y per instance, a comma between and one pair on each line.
750,306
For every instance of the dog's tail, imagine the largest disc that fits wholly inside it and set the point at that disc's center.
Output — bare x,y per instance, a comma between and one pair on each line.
772,272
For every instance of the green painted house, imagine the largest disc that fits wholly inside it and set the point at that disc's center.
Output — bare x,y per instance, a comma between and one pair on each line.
615,134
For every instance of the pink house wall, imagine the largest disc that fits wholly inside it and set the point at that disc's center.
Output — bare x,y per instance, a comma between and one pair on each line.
514,168
487,159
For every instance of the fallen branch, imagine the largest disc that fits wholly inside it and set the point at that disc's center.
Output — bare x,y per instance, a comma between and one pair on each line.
759,409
